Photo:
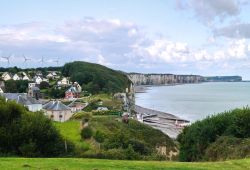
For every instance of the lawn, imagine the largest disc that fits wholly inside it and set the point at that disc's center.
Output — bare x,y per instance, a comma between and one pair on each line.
95,164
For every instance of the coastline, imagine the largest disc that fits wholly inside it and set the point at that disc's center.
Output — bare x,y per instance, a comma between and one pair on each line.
144,88
165,122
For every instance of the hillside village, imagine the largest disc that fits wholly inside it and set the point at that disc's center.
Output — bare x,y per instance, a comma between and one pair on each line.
37,97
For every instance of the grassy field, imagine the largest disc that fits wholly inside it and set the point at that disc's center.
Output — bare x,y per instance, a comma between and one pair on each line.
95,164
70,130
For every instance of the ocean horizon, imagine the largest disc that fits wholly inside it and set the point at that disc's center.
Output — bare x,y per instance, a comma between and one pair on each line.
195,101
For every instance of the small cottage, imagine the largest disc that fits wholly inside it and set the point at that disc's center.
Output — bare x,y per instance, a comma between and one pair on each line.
76,106
6,76
32,104
26,77
50,76
73,92
57,111
38,79
64,82
16,77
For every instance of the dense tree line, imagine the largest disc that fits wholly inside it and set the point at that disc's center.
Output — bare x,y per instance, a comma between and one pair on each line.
27,134
96,78
196,139
17,69
16,86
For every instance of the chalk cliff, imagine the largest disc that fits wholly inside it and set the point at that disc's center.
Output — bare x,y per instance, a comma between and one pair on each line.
161,79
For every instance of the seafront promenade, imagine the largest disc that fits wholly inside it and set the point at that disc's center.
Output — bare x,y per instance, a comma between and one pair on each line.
166,122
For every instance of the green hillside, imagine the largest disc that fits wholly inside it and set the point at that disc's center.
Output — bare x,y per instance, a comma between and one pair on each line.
112,139
218,137
96,78
95,164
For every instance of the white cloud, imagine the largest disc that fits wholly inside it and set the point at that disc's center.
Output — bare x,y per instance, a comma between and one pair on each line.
207,11
238,49
178,52
114,43
237,31
165,50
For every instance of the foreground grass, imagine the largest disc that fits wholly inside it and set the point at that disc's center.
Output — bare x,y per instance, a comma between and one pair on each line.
95,164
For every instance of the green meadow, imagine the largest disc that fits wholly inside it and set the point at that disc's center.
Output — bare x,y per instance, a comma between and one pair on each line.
101,164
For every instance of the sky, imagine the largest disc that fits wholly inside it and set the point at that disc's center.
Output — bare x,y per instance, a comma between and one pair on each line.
161,36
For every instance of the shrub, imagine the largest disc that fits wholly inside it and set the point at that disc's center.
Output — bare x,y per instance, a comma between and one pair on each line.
195,139
228,147
44,85
115,154
28,149
99,136
27,134
82,116
139,146
86,133
131,154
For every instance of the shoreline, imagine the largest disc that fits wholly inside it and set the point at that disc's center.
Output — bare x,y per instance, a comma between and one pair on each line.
162,121
144,88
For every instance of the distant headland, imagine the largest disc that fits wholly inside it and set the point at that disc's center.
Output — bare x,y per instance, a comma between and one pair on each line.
164,79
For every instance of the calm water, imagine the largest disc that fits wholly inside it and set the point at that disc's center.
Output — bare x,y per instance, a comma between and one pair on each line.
196,101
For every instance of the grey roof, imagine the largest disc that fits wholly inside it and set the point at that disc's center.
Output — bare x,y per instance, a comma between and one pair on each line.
56,106
35,88
21,98
72,89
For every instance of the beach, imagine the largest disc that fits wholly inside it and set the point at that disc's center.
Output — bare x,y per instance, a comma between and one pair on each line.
168,123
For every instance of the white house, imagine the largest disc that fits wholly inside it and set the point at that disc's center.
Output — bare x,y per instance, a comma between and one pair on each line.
102,109
6,76
38,79
1,90
16,77
63,82
44,79
57,111
50,76
54,73
26,77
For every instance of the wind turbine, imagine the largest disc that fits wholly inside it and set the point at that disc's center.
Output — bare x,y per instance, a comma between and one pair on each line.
26,59
42,60
8,59
57,61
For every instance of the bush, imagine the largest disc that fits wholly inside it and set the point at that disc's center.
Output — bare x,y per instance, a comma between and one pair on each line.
82,116
86,133
99,136
27,134
228,147
115,154
139,146
44,85
131,154
195,139
28,149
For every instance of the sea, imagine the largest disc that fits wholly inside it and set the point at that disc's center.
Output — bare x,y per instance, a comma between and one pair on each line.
196,101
